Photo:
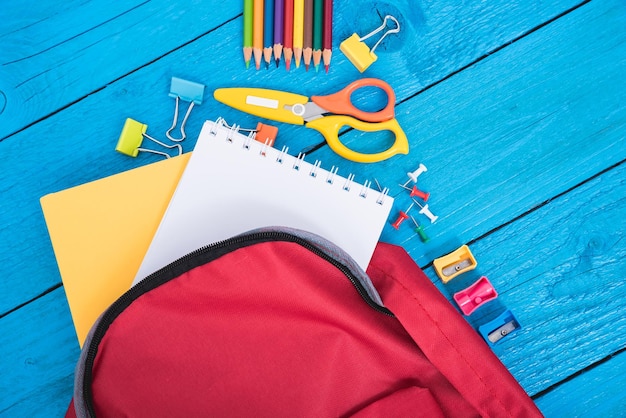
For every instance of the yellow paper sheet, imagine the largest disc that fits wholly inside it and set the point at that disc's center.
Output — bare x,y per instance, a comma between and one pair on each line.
100,232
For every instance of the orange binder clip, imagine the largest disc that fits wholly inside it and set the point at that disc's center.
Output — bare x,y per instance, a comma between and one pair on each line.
264,133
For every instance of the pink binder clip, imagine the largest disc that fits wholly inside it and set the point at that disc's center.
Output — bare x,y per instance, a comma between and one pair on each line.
476,295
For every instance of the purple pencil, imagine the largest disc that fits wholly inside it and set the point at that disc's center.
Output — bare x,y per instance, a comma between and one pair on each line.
279,9
279,6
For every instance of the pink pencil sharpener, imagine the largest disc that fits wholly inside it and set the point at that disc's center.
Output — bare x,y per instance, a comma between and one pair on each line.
476,295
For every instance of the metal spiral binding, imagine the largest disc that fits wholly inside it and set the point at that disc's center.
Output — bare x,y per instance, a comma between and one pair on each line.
298,160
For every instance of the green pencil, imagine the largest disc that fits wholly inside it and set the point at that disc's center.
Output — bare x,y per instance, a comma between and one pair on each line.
248,9
318,25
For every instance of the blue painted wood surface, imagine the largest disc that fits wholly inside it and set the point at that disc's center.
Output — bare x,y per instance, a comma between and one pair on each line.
517,109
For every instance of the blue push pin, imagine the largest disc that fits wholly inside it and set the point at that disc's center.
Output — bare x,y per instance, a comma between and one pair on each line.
187,91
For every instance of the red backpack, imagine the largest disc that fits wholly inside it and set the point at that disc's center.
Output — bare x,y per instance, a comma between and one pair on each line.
283,323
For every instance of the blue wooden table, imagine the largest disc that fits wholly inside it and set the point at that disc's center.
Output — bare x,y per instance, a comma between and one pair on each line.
517,108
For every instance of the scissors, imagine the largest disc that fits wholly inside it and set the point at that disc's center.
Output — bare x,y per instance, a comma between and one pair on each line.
326,114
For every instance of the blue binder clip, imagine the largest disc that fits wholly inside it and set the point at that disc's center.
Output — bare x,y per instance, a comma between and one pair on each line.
187,91
494,331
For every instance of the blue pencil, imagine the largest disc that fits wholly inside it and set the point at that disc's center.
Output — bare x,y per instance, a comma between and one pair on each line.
268,32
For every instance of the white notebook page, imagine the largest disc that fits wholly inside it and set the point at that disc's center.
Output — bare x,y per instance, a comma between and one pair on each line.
233,186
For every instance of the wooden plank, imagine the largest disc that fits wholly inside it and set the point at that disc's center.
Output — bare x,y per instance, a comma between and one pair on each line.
65,52
511,131
65,160
92,44
76,145
596,392
559,270
38,351
539,291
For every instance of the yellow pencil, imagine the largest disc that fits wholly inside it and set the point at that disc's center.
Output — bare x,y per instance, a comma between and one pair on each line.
298,30
257,33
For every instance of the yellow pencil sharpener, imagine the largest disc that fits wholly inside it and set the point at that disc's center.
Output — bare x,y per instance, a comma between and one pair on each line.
457,262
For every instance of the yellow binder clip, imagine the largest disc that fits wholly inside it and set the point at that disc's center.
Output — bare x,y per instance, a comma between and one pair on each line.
133,133
358,52
457,262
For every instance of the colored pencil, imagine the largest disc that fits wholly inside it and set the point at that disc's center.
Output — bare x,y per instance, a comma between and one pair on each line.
307,43
279,8
298,30
248,12
268,32
288,32
257,32
327,42
318,26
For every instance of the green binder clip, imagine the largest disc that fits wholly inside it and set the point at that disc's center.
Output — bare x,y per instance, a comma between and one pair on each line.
133,133
187,91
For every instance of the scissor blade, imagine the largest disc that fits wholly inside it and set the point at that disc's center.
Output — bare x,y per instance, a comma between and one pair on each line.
270,104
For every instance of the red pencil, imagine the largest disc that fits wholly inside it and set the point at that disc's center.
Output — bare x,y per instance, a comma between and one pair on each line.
288,33
327,37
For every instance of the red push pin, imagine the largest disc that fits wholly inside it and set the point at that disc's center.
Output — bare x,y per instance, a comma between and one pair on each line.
401,218
417,192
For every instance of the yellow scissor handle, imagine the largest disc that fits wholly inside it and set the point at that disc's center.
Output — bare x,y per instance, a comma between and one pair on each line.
266,103
329,127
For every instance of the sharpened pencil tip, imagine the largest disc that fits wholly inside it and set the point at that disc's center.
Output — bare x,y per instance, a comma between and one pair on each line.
247,64
277,63
326,67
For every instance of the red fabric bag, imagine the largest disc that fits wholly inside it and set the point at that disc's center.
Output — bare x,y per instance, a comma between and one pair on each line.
283,323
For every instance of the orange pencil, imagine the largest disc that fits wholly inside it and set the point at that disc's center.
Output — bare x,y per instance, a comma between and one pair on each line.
257,33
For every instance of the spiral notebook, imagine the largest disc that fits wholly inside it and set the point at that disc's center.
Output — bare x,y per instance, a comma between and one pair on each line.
233,184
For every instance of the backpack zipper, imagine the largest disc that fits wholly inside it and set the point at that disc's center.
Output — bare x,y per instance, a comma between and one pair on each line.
170,272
